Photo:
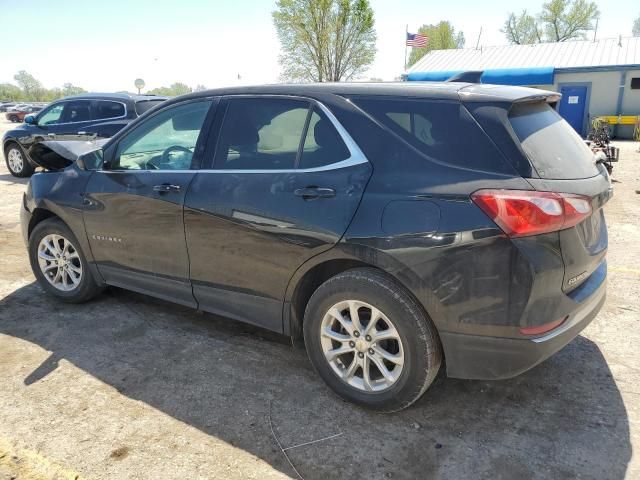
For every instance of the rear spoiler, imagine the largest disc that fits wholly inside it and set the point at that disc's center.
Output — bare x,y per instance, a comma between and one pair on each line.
506,93
471,76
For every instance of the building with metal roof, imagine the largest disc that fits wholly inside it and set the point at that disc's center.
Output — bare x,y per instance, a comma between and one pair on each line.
596,78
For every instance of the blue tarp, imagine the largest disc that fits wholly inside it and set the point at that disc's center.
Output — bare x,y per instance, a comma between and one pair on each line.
498,76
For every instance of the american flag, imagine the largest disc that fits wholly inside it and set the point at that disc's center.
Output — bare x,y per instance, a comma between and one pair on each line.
416,40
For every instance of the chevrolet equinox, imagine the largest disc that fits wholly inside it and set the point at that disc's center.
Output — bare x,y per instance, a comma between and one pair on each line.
396,228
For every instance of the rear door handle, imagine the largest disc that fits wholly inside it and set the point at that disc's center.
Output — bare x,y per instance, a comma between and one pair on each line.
311,193
166,187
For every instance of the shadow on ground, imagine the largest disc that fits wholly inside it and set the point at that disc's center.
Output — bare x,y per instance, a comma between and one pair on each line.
8,178
564,419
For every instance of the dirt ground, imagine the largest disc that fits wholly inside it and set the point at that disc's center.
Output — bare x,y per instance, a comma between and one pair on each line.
131,387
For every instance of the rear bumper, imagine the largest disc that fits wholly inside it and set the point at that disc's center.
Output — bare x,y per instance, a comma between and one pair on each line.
493,358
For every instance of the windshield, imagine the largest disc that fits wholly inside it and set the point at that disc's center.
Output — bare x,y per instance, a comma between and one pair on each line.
551,144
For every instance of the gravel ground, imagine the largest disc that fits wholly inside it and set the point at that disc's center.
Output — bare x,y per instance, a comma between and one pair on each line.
131,387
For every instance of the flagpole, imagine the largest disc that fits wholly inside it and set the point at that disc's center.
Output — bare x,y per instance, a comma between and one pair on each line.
406,34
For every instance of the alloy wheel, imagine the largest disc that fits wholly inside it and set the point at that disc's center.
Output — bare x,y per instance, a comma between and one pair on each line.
362,346
15,160
59,262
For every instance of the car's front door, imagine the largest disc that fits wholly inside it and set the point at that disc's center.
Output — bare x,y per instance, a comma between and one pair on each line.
134,205
286,182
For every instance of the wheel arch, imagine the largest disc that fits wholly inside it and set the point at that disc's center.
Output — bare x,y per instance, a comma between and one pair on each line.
42,213
39,215
341,258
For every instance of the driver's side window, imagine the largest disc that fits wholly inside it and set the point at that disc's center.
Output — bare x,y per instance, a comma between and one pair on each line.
52,115
165,141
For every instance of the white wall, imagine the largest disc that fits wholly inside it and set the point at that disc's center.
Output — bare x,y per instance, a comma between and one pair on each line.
604,94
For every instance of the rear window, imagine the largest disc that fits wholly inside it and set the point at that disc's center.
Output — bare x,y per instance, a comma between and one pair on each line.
553,147
442,130
105,110
146,105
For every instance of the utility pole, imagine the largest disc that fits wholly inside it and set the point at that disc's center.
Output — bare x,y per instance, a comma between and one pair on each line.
595,31
406,35
479,35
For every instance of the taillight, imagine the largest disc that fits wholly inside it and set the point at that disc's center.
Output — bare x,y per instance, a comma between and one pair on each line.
540,329
520,213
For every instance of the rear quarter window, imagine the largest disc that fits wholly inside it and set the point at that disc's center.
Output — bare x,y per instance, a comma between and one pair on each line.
441,130
552,146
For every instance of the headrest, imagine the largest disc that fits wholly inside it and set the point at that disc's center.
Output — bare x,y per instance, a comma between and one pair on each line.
243,131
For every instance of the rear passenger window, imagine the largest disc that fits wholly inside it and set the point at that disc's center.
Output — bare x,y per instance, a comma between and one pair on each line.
276,134
76,111
106,110
444,131
261,134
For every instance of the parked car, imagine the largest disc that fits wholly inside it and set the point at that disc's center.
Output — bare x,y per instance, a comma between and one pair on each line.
17,116
76,117
396,228
5,106
18,107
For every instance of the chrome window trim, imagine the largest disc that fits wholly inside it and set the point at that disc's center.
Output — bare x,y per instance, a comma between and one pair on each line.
350,162
90,120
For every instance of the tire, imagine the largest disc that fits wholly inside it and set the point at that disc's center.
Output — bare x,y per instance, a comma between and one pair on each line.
418,345
16,160
86,287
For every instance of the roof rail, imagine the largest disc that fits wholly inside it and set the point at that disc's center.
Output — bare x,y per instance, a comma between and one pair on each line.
470,76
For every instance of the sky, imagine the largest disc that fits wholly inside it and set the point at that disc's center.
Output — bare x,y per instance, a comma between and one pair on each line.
105,45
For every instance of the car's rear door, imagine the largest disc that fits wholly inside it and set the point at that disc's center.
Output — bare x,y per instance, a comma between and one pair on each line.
284,185
134,205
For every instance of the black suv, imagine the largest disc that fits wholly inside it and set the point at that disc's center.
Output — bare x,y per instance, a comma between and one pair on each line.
393,226
75,117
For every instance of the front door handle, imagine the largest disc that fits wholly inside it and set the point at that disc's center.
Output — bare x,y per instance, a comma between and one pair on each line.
166,187
311,193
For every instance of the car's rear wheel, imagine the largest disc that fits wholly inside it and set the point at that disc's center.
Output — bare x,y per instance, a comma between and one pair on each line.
16,161
370,341
59,264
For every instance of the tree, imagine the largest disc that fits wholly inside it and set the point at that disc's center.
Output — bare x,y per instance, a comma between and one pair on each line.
441,36
522,29
173,91
10,92
325,40
70,89
31,87
559,21
636,27
199,88
568,19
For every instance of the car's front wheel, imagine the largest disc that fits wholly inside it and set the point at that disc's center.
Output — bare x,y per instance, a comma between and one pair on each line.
59,264
370,341
17,162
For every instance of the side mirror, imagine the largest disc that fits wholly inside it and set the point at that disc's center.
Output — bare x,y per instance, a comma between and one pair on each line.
30,119
90,161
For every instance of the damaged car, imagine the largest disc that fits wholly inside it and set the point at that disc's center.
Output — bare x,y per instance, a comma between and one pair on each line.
92,115
350,216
